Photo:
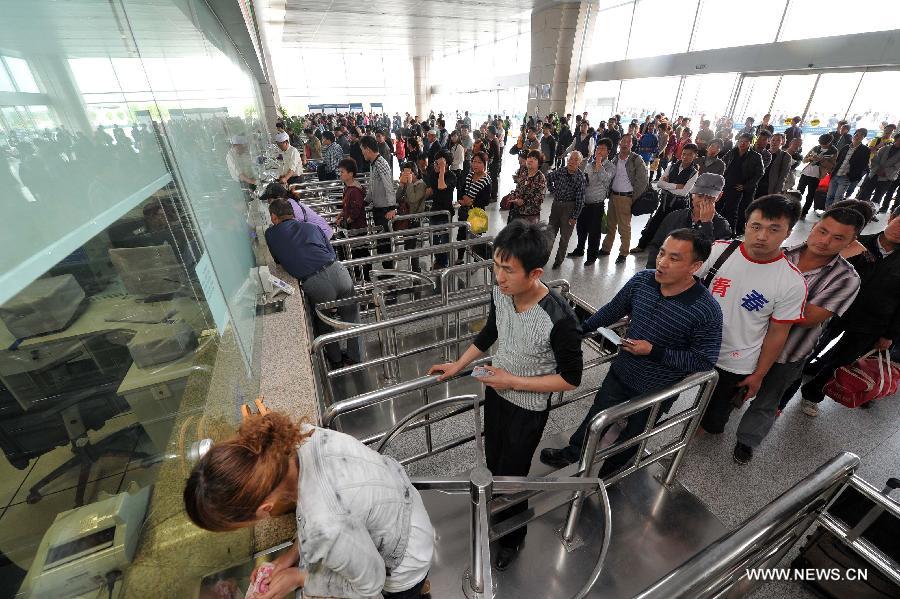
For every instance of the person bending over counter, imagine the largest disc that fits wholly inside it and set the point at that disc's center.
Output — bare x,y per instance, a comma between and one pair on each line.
362,529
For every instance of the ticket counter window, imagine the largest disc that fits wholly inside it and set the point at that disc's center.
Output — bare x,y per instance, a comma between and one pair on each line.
95,355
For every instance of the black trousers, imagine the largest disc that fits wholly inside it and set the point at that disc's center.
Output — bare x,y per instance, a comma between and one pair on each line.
810,184
384,245
589,228
665,209
412,593
494,172
511,436
720,405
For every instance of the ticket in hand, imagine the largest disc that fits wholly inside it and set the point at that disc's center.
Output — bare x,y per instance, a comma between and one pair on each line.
610,335
480,371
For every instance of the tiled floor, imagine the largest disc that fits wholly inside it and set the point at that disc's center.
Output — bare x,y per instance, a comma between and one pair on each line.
797,444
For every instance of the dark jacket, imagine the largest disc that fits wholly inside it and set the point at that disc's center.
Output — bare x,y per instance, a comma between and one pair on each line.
859,162
751,171
683,219
876,309
776,173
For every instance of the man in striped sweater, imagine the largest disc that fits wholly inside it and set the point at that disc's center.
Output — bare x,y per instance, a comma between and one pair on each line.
659,351
538,353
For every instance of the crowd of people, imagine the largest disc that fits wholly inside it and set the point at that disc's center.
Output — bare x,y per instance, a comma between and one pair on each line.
721,291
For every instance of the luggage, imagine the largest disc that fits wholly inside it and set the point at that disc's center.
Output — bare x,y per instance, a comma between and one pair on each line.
646,203
824,551
49,304
870,377
162,343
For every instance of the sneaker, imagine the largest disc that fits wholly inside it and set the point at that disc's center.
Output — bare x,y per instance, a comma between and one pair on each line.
621,259
589,261
556,265
575,254
637,250
742,453
810,408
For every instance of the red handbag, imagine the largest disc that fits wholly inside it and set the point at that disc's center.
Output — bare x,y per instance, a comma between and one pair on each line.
869,378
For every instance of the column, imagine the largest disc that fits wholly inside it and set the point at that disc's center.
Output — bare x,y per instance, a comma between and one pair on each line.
559,34
421,85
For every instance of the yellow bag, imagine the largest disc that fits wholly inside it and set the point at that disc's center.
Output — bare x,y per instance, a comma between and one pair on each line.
478,219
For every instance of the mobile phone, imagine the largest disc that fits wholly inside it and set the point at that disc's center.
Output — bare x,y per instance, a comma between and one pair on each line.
610,336
480,371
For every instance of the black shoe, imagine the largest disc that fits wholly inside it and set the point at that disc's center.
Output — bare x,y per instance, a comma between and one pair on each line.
875,219
637,250
589,261
621,259
505,557
883,211
602,253
742,453
347,360
558,458
556,265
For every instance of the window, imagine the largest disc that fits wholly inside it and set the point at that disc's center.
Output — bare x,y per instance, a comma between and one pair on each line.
705,96
661,27
807,19
755,98
722,25
640,97
610,39
832,98
21,75
873,106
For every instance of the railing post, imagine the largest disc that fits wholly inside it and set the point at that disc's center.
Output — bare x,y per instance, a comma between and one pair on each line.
703,396
585,466
480,567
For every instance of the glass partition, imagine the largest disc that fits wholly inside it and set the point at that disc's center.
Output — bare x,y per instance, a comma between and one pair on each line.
718,26
128,327
807,19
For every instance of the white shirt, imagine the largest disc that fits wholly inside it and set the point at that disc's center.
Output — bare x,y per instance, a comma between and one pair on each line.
621,183
459,155
416,561
684,191
751,294
290,162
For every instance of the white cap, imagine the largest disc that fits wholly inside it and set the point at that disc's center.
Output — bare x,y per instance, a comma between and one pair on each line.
281,137
238,140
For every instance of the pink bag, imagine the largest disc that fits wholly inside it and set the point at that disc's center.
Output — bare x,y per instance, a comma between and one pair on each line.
870,377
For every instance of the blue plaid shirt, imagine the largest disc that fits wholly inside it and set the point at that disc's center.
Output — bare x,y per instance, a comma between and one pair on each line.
567,187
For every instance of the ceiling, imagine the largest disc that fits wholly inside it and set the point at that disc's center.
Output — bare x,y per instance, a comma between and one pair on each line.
410,27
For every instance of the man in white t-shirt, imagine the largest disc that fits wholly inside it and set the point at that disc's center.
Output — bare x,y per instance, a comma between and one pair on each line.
761,295
290,163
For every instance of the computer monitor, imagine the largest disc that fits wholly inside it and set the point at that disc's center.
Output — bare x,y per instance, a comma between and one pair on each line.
151,272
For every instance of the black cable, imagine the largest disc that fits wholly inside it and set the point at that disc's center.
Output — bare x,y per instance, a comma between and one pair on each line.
111,577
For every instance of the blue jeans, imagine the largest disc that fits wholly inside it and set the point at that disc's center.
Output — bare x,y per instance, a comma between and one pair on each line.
837,190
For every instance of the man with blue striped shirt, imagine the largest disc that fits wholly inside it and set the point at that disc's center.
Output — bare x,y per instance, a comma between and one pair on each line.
675,329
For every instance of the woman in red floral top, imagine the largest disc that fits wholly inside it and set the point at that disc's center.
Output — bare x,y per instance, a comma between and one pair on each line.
531,186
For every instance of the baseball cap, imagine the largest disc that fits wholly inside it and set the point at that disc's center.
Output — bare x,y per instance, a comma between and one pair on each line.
281,137
709,184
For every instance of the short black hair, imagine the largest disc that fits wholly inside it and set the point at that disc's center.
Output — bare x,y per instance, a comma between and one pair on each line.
329,135
745,136
701,246
689,147
446,155
349,165
825,139
367,141
529,243
411,166
605,141
281,208
764,133
536,154
273,191
775,206
864,208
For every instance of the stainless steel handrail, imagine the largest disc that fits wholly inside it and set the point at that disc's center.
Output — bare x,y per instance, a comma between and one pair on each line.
400,233
478,580
722,565
652,401
427,215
